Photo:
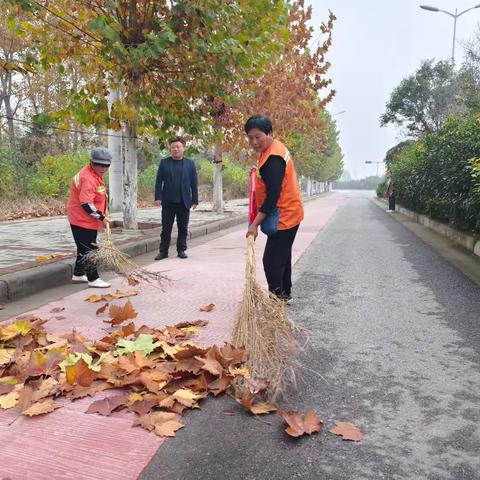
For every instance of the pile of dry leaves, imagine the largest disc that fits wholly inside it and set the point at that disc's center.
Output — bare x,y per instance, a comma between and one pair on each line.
155,373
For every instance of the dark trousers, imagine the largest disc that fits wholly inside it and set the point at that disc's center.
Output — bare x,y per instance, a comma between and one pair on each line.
85,238
277,261
169,212
391,202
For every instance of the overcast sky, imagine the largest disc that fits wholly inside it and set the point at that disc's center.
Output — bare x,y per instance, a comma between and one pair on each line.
376,44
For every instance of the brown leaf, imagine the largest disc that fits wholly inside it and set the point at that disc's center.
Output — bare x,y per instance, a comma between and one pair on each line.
298,425
102,309
119,314
164,424
210,362
261,408
99,298
57,309
6,388
142,407
347,430
220,385
124,294
78,391
207,308
42,363
134,362
196,323
2,306
108,405
44,406
45,388
133,282
80,374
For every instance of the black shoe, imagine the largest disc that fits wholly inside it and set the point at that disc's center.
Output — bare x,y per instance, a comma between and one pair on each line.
161,256
182,255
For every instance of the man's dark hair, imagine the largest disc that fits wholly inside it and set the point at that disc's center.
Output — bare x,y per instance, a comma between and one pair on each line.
178,139
262,123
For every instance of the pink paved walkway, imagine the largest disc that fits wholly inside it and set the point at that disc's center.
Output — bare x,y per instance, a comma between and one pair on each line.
68,444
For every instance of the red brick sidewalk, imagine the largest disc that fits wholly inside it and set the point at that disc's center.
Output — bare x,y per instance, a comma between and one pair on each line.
68,444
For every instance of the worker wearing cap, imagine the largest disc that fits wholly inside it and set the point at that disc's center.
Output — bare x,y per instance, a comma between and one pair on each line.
86,210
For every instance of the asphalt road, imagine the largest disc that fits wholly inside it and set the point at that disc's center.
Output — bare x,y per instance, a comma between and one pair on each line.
395,349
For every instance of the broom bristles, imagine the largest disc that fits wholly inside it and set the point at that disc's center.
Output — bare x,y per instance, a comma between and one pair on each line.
262,327
110,257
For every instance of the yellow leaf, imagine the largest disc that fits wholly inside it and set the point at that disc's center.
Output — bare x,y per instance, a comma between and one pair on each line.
12,330
6,355
243,372
42,259
39,408
134,397
9,400
191,329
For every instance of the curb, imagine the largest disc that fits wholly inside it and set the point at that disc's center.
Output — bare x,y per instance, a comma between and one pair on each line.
468,242
14,286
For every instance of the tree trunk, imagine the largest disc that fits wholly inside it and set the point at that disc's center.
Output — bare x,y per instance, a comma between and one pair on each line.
130,178
218,179
115,174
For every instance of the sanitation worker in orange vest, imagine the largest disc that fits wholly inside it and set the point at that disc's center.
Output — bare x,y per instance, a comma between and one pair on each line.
86,210
279,202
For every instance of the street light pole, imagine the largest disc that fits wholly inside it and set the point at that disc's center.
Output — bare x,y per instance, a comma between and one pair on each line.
455,18
370,162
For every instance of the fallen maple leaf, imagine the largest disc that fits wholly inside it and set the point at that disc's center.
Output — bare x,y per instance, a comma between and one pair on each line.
134,361
6,388
57,309
348,431
119,314
259,408
99,298
44,406
164,424
186,397
9,400
142,407
6,355
207,308
46,387
220,385
108,405
102,309
210,362
80,373
298,426
12,330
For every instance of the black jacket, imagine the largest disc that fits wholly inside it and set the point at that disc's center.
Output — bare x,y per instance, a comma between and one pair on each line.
164,183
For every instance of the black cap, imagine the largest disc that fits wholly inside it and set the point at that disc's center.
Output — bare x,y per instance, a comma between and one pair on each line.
101,156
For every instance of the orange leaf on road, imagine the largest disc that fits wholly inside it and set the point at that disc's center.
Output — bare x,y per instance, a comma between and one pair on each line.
207,308
348,431
298,426
119,314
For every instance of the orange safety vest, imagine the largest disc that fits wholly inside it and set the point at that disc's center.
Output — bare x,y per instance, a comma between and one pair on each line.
86,187
290,204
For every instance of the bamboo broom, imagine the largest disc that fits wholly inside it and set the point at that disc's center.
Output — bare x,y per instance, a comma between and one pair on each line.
263,329
110,257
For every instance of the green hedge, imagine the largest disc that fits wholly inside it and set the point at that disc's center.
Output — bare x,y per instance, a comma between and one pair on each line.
53,175
436,175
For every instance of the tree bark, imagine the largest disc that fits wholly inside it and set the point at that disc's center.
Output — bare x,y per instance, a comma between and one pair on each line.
218,179
130,178
115,174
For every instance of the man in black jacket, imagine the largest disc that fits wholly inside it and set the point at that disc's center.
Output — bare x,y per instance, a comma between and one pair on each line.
176,192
